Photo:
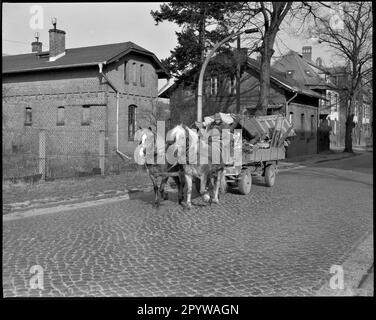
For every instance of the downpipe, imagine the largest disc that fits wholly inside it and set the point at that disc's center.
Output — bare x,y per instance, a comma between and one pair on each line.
100,65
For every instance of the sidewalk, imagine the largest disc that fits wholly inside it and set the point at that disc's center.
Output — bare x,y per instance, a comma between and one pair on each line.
24,196
308,160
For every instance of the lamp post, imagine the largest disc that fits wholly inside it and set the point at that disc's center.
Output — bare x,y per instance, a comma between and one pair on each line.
204,65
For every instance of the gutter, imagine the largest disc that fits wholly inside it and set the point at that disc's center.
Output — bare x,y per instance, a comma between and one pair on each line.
100,65
88,64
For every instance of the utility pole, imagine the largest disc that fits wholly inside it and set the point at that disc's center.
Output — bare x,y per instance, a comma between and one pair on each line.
238,64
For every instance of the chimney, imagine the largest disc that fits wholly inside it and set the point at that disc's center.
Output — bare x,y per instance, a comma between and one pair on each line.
36,46
307,52
57,42
319,62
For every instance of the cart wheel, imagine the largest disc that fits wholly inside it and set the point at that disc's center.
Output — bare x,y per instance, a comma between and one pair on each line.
245,182
270,175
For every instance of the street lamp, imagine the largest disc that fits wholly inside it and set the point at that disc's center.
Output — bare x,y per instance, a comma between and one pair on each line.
204,65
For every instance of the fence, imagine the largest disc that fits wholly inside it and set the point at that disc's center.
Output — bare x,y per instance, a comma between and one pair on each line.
32,153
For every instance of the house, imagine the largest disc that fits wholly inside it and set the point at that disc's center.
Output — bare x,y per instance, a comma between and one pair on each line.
76,95
362,132
312,75
333,82
287,96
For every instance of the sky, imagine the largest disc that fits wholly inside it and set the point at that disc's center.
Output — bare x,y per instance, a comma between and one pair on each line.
90,24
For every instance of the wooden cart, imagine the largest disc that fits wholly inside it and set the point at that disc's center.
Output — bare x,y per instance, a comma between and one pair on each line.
259,162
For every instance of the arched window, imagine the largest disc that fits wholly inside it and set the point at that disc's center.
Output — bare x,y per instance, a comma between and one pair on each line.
126,72
131,122
85,121
28,116
60,116
142,75
134,73
291,118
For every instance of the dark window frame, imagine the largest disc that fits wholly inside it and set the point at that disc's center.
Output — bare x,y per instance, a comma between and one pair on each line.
142,75
302,126
134,73
131,121
126,72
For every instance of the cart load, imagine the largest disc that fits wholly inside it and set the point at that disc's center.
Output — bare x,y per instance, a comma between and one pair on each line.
262,132
264,139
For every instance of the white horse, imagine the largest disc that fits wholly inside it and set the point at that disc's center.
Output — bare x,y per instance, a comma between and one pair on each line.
188,140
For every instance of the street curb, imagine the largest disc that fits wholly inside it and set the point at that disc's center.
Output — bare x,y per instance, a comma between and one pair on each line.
72,205
60,208
355,268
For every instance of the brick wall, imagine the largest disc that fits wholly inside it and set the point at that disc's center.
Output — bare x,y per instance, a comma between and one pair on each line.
44,92
305,141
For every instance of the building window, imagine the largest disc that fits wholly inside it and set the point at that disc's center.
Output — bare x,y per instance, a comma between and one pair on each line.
302,128
60,116
85,116
232,86
131,122
126,72
367,112
291,118
312,125
134,73
213,85
28,116
142,75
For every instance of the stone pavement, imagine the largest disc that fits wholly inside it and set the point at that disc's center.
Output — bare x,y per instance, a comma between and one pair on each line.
22,196
279,241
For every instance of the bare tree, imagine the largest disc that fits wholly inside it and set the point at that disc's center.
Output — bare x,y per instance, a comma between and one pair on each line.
267,17
349,33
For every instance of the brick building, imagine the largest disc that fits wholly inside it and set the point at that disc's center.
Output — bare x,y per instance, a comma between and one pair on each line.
287,97
76,95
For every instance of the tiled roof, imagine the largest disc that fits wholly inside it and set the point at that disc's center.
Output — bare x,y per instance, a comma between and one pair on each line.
280,78
276,76
76,57
303,72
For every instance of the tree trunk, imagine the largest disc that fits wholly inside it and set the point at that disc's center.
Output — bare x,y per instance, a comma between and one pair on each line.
266,55
348,133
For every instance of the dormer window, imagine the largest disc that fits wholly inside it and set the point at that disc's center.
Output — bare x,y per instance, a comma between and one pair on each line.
290,73
308,73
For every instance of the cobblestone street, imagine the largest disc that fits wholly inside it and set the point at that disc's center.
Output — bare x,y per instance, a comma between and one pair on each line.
274,241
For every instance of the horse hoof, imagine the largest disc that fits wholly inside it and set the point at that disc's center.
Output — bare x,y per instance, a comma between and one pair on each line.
156,205
216,201
165,196
188,206
206,197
